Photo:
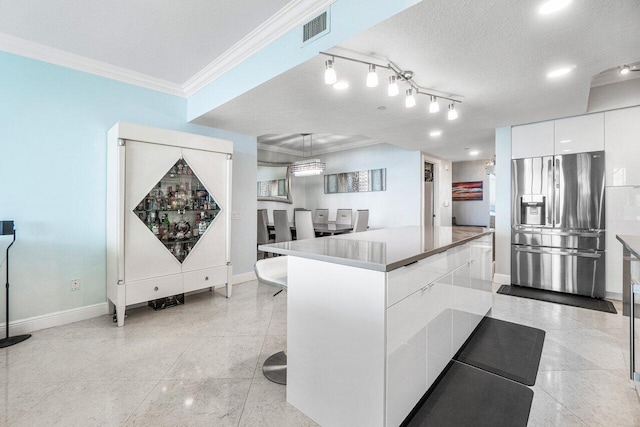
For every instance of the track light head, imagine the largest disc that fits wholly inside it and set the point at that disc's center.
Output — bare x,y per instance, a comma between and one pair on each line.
410,99
625,69
330,76
452,114
434,107
393,89
372,76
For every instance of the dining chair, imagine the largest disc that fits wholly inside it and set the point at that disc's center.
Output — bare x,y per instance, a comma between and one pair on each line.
296,210
281,224
343,216
321,216
273,272
362,221
304,226
263,232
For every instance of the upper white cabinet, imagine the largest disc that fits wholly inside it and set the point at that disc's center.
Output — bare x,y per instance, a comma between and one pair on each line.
622,143
534,140
579,134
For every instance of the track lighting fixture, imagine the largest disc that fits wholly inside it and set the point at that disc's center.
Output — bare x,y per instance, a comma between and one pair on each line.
393,90
434,107
452,114
330,76
396,77
626,69
372,76
410,100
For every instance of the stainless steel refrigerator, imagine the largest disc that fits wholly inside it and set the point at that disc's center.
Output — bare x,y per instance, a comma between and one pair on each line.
557,217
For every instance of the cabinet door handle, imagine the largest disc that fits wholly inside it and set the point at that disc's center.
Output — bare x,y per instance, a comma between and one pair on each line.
155,289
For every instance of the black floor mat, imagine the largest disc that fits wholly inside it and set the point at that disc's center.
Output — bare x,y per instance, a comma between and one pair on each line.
558,298
467,396
507,349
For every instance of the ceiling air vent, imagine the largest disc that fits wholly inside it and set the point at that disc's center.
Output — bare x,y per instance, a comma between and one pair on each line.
317,27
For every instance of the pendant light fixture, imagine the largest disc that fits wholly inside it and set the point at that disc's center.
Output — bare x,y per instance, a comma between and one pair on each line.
410,100
308,167
372,76
434,107
330,76
393,90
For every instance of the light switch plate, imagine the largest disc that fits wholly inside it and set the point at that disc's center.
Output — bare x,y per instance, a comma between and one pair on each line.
236,215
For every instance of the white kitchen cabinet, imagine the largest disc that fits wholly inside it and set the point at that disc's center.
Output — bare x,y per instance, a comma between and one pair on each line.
427,328
168,214
622,147
623,217
579,134
532,140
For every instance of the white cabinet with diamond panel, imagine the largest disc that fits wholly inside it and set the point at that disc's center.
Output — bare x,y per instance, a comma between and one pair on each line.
168,214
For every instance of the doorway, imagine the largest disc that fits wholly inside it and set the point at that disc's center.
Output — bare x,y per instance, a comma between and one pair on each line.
428,194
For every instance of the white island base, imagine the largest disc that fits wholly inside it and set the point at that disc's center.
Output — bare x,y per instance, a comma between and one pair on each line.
363,346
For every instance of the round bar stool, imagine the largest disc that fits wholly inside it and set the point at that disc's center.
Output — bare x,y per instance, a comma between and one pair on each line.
273,271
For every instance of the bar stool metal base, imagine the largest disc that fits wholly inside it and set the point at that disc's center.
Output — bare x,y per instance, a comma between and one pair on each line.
7,342
275,368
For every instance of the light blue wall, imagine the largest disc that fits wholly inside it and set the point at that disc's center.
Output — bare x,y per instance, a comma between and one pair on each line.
503,201
348,18
53,177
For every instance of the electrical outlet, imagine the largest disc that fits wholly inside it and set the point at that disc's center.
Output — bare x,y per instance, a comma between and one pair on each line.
75,284
236,215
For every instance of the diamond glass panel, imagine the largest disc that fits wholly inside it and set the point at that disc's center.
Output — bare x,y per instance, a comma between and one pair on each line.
178,210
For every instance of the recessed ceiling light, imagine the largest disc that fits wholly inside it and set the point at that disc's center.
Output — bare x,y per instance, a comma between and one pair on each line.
435,133
560,71
341,85
552,6
566,150
564,141
474,153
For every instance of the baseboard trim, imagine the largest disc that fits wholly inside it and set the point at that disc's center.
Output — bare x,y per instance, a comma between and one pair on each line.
58,318
244,277
616,296
503,279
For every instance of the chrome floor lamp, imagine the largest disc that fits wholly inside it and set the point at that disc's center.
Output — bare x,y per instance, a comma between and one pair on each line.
7,229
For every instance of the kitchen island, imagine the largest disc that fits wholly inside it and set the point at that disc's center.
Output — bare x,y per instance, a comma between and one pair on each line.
374,317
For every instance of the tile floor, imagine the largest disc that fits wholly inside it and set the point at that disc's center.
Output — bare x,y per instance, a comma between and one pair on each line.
200,364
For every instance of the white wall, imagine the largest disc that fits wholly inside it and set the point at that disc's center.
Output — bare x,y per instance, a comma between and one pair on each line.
503,205
472,212
399,205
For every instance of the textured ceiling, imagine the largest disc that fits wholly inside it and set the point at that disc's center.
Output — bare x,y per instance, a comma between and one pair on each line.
168,39
494,53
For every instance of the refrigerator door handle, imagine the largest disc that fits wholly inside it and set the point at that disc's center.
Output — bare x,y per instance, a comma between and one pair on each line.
553,252
559,233
557,201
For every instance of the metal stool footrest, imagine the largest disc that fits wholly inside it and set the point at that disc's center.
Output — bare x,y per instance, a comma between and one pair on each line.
275,368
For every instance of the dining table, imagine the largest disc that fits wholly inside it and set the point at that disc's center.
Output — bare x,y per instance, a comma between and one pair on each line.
330,228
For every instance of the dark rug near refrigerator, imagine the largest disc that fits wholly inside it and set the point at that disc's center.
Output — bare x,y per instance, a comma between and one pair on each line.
507,349
468,396
558,298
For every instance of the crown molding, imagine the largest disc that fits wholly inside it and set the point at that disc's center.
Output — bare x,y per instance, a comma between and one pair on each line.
276,149
286,19
335,148
49,54
349,146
